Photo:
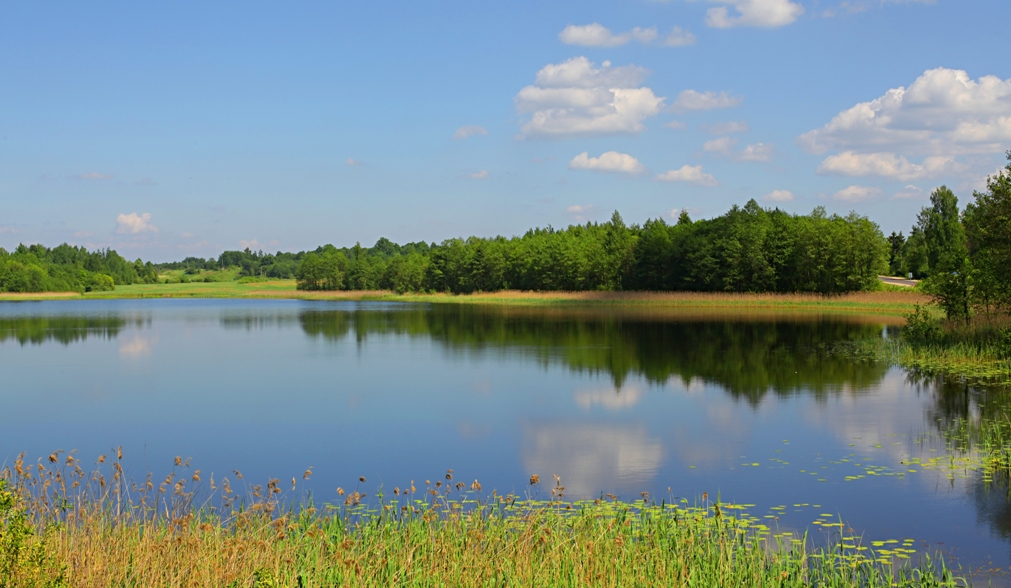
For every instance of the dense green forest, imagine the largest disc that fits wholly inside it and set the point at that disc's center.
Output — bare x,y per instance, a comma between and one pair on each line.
748,249
67,268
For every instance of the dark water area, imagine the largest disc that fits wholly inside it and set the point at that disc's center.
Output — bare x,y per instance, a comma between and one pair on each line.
768,411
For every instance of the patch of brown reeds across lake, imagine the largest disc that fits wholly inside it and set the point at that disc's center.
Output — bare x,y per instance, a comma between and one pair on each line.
37,295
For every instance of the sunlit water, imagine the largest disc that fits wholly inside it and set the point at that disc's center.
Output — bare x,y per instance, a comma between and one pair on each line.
758,411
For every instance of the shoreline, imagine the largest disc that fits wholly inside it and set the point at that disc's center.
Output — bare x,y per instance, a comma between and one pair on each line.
887,303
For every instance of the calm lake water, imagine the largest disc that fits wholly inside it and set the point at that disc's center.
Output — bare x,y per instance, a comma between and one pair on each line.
759,410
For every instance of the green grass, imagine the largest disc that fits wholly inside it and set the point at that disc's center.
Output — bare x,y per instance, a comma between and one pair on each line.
97,529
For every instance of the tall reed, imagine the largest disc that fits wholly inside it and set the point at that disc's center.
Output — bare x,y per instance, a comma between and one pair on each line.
97,529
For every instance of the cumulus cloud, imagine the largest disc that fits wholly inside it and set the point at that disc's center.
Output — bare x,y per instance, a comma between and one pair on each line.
135,224
856,194
943,113
597,35
885,165
576,98
759,152
469,131
679,37
690,174
910,192
729,127
610,162
581,212
94,176
779,196
694,100
480,175
352,162
753,13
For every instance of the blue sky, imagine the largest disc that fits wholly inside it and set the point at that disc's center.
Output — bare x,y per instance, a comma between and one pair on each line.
185,129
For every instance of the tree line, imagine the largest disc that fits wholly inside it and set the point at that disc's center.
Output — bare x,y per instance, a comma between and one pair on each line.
748,249
66,268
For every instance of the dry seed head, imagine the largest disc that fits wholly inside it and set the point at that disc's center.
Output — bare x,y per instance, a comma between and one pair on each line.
119,452
340,491
178,461
361,479
237,474
196,476
307,473
449,474
535,479
476,486
396,490
293,482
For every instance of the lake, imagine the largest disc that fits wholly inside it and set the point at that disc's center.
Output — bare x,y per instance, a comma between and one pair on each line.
766,410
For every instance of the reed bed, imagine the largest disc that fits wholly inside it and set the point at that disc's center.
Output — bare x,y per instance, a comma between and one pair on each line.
62,526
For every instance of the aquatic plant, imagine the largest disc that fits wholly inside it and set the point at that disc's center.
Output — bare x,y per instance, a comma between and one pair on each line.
189,530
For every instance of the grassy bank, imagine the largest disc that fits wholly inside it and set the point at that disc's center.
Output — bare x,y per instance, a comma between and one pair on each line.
65,527
979,349
895,302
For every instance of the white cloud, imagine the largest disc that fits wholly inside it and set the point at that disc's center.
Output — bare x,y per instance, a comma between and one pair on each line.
942,113
856,194
580,208
578,98
729,127
679,37
759,152
611,162
694,100
78,234
592,35
134,224
480,175
779,196
252,244
597,35
910,192
885,165
9,230
690,174
352,162
469,131
753,13
676,124
723,145
94,176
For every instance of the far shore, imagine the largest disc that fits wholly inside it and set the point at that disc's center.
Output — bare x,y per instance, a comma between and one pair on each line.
889,302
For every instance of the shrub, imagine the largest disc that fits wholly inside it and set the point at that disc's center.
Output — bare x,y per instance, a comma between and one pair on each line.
922,328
